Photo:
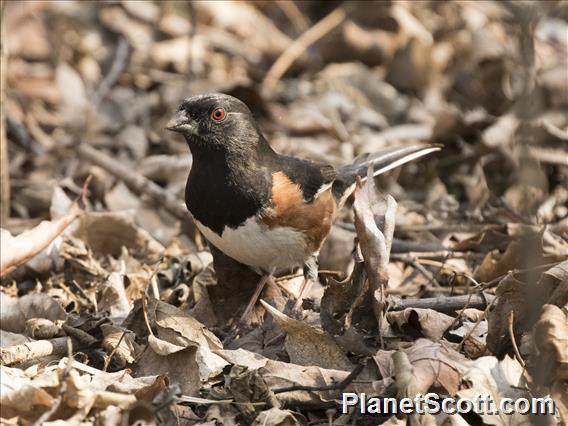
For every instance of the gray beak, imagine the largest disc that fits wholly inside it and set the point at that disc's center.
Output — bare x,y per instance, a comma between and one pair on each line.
182,123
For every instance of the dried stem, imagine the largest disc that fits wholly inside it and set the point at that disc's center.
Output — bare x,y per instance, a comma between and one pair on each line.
510,323
336,386
4,163
137,182
300,45
445,303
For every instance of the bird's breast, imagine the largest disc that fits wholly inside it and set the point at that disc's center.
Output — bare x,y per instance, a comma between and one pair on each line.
255,244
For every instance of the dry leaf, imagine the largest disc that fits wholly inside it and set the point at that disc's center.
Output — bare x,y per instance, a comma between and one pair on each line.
19,394
106,233
15,251
421,322
113,298
307,345
121,343
549,357
499,379
275,417
178,363
179,330
374,221
14,312
74,101
282,374
436,365
42,328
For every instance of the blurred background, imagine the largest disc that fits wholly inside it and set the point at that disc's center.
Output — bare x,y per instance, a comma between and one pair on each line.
327,80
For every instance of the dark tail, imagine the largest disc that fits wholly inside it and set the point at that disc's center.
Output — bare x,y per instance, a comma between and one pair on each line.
381,161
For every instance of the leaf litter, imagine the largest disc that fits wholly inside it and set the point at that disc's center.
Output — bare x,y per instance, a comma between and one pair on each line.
114,308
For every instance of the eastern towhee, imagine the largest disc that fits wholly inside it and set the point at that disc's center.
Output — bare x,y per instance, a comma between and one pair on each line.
268,211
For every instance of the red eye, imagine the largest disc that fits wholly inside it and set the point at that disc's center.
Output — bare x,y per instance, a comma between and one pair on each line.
218,114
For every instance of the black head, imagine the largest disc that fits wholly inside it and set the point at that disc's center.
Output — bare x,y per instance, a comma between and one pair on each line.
216,121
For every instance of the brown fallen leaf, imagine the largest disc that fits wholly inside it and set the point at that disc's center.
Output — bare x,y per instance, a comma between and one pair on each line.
107,232
306,345
422,322
20,395
112,296
435,365
42,328
276,417
515,294
498,379
279,374
179,365
374,221
121,343
553,285
176,331
15,251
549,357
14,312
408,386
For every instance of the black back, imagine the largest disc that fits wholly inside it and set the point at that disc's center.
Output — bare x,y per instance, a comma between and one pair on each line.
308,175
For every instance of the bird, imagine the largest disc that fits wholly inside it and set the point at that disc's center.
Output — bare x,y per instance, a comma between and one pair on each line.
266,210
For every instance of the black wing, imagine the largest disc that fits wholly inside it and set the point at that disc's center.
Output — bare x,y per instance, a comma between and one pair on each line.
311,177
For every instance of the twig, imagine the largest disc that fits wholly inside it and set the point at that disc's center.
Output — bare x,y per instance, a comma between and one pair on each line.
82,337
111,355
299,46
444,303
336,386
62,389
294,15
91,302
18,354
510,321
116,68
497,280
413,262
330,272
436,227
460,313
4,163
145,314
470,332
137,182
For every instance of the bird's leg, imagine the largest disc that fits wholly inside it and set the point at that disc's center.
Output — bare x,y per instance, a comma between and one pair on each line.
240,324
310,275
256,295
297,309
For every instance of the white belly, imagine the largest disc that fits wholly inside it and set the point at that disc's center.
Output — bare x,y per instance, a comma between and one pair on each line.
259,246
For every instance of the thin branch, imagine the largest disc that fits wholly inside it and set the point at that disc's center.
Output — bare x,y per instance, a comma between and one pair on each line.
62,389
19,354
336,386
300,45
470,332
118,65
294,15
444,303
136,182
110,357
510,322
4,163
